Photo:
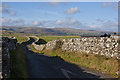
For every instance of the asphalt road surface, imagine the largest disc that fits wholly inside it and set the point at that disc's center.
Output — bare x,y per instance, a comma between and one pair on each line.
43,66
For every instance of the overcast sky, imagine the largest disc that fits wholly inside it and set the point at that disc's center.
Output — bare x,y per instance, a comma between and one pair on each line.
78,15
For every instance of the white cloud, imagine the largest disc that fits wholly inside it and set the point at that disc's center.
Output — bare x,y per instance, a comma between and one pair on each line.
69,23
59,22
66,23
93,26
73,10
101,25
36,23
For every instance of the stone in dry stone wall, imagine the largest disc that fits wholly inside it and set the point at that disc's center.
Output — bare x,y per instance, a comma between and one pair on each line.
38,47
95,45
103,46
54,44
51,44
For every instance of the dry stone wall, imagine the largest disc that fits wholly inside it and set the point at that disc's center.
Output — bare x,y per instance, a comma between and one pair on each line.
102,46
94,45
38,47
8,44
0,57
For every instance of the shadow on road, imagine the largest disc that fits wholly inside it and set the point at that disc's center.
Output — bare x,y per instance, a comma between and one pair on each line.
18,64
43,66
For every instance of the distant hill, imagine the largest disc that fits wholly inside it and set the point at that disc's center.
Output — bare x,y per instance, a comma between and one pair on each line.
55,31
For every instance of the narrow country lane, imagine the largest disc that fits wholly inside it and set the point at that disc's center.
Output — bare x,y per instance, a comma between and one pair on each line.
43,66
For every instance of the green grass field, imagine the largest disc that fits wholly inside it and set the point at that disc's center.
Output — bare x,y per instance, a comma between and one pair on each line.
50,38
15,34
21,39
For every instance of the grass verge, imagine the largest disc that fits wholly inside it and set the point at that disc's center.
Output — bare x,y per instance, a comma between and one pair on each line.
95,62
18,64
21,39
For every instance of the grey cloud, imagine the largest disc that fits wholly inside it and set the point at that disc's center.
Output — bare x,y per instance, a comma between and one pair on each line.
71,23
6,21
110,23
54,3
11,22
6,10
106,4
99,20
18,22
66,23
111,4
12,13
0,7
106,25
